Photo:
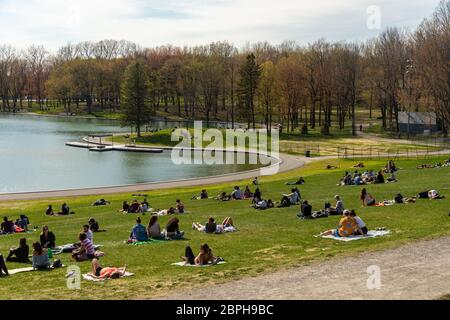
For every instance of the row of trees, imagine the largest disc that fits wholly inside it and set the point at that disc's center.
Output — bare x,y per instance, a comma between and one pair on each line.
289,84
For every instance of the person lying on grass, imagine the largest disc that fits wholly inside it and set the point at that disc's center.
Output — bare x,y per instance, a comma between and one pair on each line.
19,254
366,198
263,204
99,272
154,229
212,227
300,181
47,238
432,195
347,227
86,250
205,256
400,199
101,202
223,197
359,165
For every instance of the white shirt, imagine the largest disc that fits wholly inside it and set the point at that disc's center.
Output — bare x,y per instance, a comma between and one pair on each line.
359,222
90,236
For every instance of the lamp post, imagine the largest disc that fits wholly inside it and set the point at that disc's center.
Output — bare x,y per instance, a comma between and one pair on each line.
409,72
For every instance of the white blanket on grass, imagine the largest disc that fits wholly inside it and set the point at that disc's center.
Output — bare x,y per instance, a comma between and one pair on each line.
29,269
184,264
89,277
370,234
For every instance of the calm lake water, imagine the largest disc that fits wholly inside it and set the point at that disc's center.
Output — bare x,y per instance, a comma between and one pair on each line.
33,157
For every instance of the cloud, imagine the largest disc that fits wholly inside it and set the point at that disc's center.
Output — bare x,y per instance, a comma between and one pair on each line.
189,22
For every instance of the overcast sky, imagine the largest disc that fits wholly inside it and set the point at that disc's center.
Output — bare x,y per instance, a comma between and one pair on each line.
190,22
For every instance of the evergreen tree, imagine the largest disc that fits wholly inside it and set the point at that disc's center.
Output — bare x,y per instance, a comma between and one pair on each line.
250,74
136,107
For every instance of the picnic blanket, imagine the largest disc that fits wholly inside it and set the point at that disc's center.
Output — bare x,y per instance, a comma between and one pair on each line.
184,264
385,203
370,234
89,277
28,269
68,248
149,241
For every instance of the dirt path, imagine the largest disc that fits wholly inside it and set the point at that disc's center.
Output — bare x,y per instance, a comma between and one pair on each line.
418,270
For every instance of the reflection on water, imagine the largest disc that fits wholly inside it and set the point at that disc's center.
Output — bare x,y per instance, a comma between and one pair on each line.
33,157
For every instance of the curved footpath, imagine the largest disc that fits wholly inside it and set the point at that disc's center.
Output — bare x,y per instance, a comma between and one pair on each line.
419,270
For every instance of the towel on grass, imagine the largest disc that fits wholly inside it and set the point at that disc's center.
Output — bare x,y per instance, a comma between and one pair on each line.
184,264
68,248
370,234
89,277
149,241
29,269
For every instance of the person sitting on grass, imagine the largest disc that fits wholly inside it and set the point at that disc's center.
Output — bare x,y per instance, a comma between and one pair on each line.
290,199
180,207
138,233
347,227
154,229
40,260
392,178
3,267
19,254
358,180
380,177
213,227
98,272
125,207
305,210
205,256
47,238
255,181
135,207
366,198
7,226
173,229
338,209
361,225
247,193
203,195
23,222
65,210
93,225
263,204
49,211
86,250
257,196
237,193
87,230
145,205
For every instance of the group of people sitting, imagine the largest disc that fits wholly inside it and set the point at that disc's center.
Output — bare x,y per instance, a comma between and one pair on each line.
65,211
349,225
436,165
20,225
135,207
212,227
367,177
204,257
390,167
238,194
306,211
140,233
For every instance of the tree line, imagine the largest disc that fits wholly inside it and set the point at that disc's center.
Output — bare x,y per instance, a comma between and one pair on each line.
317,85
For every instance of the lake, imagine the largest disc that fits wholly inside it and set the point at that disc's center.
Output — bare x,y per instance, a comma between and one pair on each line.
33,157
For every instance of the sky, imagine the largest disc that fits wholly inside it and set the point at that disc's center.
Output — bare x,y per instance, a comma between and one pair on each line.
150,23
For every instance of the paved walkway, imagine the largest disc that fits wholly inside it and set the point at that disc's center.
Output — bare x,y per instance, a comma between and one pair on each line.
419,270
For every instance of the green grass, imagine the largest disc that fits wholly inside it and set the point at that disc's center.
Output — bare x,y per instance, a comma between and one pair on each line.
267,241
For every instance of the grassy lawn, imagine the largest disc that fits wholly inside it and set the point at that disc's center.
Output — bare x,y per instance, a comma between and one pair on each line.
267,240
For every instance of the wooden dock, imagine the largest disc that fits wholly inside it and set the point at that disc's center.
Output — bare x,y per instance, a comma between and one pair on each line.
104,148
